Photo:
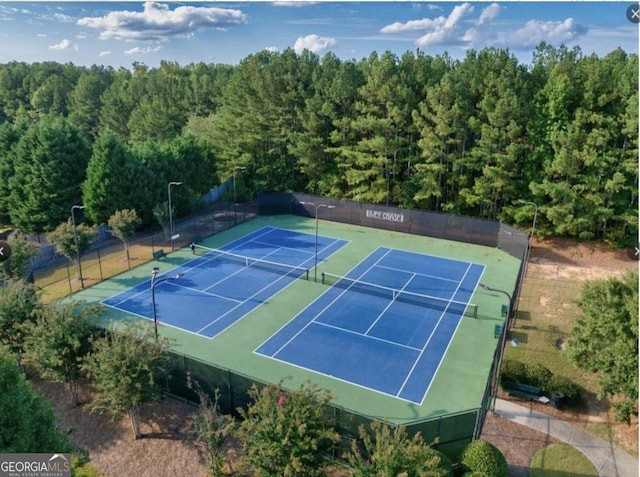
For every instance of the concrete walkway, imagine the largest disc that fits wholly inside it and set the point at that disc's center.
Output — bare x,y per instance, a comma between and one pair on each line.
609,461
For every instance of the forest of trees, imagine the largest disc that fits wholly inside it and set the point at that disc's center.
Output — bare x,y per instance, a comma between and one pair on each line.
472,136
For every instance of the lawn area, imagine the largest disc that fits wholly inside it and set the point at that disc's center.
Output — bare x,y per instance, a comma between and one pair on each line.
108,261
546,313
555,459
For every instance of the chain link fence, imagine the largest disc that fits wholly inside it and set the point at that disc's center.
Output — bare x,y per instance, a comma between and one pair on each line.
57,276
449,433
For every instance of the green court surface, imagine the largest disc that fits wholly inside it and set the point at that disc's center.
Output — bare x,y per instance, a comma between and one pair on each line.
461,380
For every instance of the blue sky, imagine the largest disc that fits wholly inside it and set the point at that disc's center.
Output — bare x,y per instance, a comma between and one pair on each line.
121,33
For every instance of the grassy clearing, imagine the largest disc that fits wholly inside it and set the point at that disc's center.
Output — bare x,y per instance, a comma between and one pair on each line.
547,311
57,282
555,459
546,314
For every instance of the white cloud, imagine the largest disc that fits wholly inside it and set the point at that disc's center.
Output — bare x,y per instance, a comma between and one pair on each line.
448,30
489,13
157,22
436,30
313,43
105,53
272,49
411,25
300,3
142,50
64,45
553,33
61,17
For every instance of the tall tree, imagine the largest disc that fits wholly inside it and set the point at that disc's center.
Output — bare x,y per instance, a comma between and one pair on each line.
58,340
604,339
123,224
498,123
50,163
85,101
383,110
335,86
72,242
17,265
27,421
115,179
19,305
126,367
10,134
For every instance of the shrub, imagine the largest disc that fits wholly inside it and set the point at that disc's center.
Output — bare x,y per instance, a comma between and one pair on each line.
483,458
572,391
383,450
538,375
513,370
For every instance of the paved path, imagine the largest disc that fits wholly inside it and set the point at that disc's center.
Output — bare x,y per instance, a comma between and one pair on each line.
609,461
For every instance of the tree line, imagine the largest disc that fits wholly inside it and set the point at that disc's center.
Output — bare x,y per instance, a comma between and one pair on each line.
483,136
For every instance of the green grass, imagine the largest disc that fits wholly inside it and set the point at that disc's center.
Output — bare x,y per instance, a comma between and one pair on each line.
561,460
546,314
63,280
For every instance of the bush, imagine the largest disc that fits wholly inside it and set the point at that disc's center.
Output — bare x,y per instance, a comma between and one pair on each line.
383,450
445,463
538,375
513,370
483,458
572,391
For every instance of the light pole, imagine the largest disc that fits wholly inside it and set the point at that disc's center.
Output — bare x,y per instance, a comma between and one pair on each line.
503,338
236,168
75,237
533,229
316,207
170,210
154,282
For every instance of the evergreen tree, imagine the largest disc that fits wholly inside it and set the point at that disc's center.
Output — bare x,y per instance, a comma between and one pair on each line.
50,162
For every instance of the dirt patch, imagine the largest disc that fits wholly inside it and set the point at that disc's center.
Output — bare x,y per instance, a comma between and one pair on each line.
564,251
166,448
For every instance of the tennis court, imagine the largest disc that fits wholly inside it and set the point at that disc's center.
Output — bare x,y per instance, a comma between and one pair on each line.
218,287
385,326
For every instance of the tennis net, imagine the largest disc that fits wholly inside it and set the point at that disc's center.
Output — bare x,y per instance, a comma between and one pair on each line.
245,261
426,301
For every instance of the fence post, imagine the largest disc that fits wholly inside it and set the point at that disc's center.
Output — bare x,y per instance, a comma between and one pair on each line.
69,279
100,264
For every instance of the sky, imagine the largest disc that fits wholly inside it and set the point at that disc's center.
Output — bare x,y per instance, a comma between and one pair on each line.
119,34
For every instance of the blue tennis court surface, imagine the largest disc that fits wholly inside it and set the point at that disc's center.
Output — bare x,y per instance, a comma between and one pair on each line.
378,332
217,289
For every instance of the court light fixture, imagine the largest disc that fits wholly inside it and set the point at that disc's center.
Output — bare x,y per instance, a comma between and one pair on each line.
316,207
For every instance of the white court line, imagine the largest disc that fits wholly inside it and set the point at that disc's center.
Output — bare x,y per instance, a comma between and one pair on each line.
426,391
236,272
315,371
252,296
281,248
419,274
366,336
426,345
326,307
381,314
